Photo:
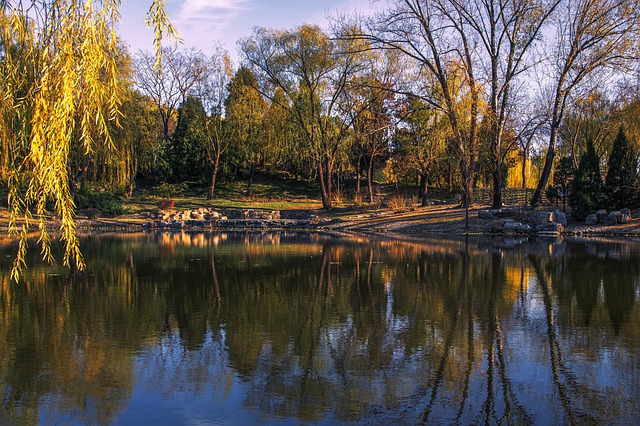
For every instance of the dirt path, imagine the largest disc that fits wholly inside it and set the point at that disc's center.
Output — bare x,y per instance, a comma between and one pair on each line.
423,220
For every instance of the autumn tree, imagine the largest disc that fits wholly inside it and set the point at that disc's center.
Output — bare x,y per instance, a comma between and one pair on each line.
369,102
59,79
312,71
422,143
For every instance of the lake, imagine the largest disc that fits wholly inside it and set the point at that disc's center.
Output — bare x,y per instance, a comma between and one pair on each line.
289,328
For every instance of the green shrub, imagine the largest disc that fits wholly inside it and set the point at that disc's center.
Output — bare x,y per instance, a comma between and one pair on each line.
108,202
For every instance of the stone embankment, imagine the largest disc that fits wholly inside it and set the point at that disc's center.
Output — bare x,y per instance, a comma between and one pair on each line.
519,221
206,218
512,221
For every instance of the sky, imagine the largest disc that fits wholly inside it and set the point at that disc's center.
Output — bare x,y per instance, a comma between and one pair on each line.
203,23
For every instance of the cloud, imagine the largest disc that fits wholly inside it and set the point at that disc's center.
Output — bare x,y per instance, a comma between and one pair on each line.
217,10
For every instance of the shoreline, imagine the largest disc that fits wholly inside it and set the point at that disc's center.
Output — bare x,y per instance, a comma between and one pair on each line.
422,221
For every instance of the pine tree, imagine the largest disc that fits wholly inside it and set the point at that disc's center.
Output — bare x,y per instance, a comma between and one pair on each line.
622,175
587,192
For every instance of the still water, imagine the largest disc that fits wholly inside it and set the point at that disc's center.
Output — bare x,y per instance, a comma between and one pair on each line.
287,328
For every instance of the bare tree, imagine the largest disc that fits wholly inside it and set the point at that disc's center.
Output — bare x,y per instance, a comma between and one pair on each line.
212,90
591,36
506,30
435,37
169,85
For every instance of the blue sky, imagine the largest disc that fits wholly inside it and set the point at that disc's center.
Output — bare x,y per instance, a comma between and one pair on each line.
202,23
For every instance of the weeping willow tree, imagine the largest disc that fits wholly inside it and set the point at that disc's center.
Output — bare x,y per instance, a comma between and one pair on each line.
59,85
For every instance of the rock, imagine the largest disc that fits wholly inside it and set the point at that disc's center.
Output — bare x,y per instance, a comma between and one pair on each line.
625,211
550,228
523,229
147,225
610,221
560,217
539,218
602,215
506,213
196,215
486,214
624,218
176,224
635,214
499,225
615,215
510,227
591,219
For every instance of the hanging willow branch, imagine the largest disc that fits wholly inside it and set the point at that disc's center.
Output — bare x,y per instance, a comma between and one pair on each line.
59,81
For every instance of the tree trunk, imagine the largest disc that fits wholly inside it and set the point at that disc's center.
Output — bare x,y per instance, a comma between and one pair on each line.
524,169
536,199
358,172
325,186
496,176
214,174
132,184
251,171
424,186
370,179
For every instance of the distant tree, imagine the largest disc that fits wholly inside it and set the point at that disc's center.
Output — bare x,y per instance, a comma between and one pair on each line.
587,191
621,185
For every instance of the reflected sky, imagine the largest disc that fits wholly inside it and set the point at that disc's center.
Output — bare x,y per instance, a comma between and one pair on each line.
283,328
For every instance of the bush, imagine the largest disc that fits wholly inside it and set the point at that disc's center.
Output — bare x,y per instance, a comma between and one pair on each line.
165,204
109,203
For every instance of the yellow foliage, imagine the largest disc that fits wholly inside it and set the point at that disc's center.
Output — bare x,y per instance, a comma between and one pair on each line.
59,78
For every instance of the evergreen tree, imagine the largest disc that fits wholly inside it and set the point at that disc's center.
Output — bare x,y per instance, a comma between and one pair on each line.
187,156
587,192
622,175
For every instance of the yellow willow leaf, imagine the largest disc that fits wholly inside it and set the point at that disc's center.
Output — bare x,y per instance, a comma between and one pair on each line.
60,84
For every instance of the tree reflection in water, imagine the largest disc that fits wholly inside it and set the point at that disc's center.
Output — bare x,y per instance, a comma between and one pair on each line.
305,327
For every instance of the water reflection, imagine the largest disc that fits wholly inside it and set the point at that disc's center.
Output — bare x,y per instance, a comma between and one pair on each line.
286,327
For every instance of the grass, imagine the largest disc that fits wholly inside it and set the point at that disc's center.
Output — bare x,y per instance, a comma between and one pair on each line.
269,192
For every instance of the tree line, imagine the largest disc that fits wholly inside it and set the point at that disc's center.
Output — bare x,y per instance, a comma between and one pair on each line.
450,93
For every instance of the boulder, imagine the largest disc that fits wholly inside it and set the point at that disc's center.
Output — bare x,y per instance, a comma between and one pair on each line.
602,215
614,216
486,214
510,213
510,227
499,225
539,218
559,217
523,229
591,219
